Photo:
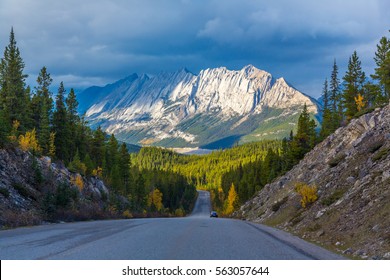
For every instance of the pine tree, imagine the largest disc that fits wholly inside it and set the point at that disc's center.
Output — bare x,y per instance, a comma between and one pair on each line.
124,169
305,139
98,147
382,71
14,98
4,129
354,80
60,126
73,121
326,127
335,98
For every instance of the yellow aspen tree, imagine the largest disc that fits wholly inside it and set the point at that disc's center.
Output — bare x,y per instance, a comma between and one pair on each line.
360,103
29,142
232,200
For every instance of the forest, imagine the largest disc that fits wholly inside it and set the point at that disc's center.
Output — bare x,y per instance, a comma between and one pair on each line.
157,180
45,124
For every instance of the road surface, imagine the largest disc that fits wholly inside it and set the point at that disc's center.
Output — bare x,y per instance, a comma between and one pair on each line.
195,237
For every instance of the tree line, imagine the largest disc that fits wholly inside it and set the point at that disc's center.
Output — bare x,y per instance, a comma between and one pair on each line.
356,94
44,124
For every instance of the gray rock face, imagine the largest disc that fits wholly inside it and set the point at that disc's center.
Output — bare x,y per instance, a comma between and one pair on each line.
26,181
353,191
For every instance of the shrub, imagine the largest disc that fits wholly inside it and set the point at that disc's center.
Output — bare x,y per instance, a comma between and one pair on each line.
308,193
336,160
179,212
336,195
22,190
77,180
127,214
4,192
29,142
383,152
279,203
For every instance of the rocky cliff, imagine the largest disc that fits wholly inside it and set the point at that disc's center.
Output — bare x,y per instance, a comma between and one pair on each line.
351,171
33,190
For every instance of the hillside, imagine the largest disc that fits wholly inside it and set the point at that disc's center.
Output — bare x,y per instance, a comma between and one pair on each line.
215,109
350,170
33,190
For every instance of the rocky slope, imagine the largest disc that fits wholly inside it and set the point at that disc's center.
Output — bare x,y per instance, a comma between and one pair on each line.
181,109
33,190
351,170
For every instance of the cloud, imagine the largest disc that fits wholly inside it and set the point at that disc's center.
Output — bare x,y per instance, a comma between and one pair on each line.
86,42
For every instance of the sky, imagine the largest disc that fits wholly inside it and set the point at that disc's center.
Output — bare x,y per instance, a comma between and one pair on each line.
95,42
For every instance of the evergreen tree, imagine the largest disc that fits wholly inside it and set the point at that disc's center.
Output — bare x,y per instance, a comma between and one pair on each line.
382,71
14,98
124,169
326,127
73,121
44,129
305,139
139,196
334,98
42,108
98,147
4,129
354,80
60,126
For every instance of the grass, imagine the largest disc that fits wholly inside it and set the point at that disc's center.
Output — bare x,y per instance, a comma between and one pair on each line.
336,195
382,153
279,203
336,160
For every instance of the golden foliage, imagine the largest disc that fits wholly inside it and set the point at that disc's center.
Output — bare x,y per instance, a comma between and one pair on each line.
77,180
98,172
127,214
360,103
14,132
179,212
232,200
308,193
29,142
155,199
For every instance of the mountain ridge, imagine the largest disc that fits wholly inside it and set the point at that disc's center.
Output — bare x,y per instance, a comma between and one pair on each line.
181,109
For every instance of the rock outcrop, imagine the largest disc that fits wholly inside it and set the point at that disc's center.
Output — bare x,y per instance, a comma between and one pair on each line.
351,171
33,190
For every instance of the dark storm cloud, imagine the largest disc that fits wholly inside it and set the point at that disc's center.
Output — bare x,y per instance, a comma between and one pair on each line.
95,42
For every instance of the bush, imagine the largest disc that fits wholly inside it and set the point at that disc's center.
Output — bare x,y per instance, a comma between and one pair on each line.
22,190
4,192
279,203
336,195
308,193
336,160
382,153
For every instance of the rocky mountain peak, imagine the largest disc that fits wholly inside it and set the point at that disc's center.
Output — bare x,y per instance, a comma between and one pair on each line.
173,105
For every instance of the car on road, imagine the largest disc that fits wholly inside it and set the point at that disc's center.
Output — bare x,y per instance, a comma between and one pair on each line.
213,214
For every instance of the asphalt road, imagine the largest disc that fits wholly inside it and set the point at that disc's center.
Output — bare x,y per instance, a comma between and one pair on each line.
195,237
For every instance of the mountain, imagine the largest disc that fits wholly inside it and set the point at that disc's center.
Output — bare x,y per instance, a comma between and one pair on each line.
351,171
216,108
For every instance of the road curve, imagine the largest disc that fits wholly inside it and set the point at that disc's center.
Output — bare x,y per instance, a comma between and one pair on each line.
195,237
